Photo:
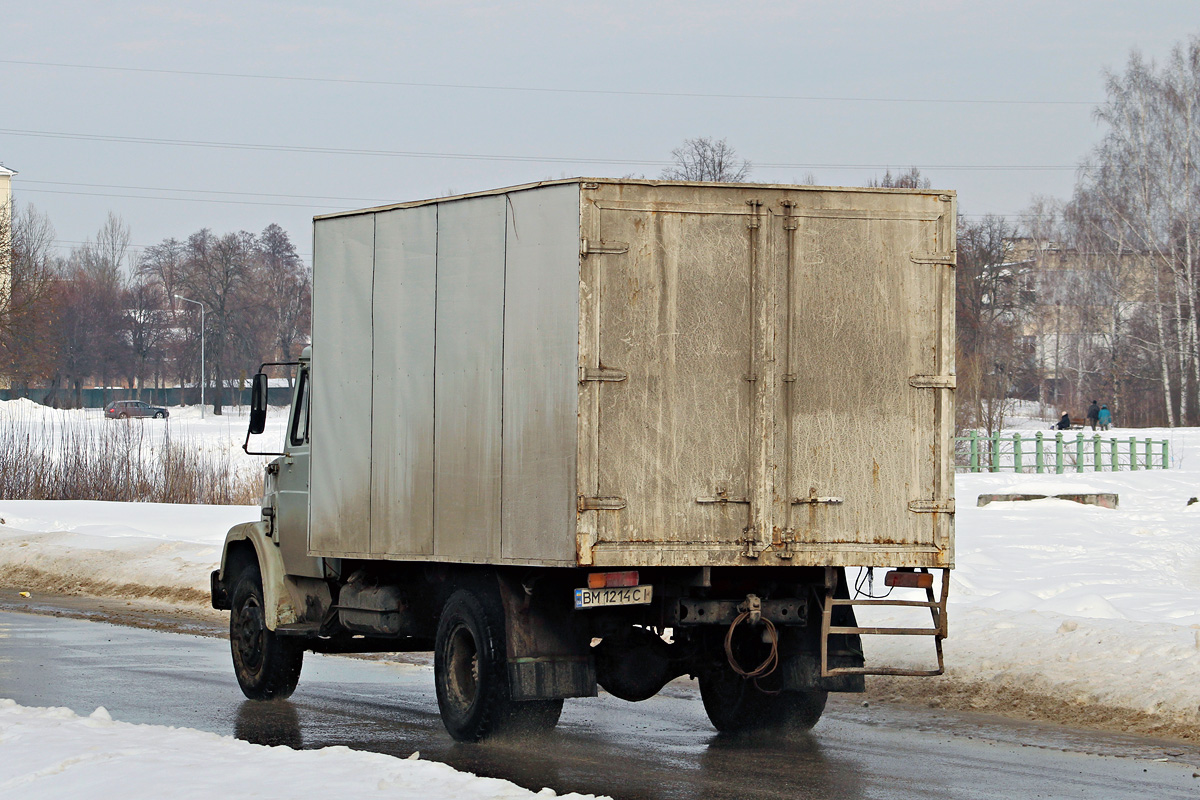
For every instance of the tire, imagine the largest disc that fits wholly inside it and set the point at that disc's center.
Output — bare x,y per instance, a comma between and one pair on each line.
471,673
734,704
267,665
159,415
122,415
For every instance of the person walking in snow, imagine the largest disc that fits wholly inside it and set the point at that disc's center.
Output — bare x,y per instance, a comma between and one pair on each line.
1093,414
1105,418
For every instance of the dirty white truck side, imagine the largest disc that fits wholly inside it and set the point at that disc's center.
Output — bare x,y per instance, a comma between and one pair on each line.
540,426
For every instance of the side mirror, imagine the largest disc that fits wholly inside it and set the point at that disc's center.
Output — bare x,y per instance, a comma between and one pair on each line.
258,403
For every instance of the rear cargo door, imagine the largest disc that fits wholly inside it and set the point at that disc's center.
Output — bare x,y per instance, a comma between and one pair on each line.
866,374
676,335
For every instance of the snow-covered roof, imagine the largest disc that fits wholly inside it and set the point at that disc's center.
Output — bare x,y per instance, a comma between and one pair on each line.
6,171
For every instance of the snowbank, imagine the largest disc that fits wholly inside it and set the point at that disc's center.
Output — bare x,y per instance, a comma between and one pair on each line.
52,753
155,551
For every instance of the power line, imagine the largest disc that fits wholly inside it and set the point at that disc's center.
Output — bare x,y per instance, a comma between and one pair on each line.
187,199
204,191
493,157
552,90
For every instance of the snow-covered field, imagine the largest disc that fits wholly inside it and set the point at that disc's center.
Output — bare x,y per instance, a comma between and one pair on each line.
218,438
1057,610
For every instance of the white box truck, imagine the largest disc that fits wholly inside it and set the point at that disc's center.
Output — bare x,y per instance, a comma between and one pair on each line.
610,432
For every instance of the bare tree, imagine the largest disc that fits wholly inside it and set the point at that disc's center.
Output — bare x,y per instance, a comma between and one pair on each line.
286,289
993,295
27,310
221,272
163,263
707,159
901,180
1141,183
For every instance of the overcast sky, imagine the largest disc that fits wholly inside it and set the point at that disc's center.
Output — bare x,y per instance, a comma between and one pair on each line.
233,115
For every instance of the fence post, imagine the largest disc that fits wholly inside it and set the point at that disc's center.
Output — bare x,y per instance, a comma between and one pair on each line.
973,441
1058,452
1166,460
1040,458
1017,467
996,450
1079,452
1113,455
1097,457
1132,453
1149,453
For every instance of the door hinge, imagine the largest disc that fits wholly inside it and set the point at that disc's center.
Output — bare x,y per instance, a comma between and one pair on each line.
932,381
949,259
587,248
932,506
601,374
753,221
600,503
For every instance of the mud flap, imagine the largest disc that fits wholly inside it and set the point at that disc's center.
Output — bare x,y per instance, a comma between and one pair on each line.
548,656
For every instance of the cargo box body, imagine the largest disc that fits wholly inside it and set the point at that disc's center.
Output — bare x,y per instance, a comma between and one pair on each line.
634,374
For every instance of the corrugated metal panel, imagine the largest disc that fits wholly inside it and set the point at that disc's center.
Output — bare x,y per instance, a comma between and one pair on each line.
340,505
469,345
541,345
402,449
676,315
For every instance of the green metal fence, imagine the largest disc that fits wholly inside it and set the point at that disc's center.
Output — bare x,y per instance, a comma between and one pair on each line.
1057,453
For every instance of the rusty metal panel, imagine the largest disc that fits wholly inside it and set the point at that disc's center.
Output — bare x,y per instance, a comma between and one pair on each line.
676,314
468,392
862,317
402,422
340,412
541,335
774,372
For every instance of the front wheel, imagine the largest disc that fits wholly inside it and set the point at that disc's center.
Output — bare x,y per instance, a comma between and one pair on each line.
159,415
470,673
267,665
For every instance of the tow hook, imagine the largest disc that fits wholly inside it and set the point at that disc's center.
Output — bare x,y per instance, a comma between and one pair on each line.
752,607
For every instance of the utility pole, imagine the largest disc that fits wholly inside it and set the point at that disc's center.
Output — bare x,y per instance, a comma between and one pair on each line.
197,302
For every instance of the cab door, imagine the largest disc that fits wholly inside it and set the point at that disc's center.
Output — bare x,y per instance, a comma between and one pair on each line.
291,504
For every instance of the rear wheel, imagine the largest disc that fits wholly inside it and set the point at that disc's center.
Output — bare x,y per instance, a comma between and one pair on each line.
470,673
122,415
734,703
267,665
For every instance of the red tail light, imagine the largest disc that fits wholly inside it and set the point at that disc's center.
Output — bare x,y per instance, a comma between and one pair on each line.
607,580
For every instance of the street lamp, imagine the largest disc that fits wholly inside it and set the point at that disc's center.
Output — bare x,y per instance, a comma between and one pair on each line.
197,302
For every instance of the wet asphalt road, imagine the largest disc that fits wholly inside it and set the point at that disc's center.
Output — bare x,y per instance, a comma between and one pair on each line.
663,748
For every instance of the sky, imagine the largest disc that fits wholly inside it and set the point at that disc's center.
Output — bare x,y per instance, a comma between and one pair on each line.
233,115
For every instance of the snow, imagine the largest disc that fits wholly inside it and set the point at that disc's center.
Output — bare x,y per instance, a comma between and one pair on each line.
1091,611
51,753
220,438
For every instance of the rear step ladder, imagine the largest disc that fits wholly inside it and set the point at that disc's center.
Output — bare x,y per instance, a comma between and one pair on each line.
937,608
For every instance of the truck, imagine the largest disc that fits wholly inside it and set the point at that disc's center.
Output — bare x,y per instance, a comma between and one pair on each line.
596,433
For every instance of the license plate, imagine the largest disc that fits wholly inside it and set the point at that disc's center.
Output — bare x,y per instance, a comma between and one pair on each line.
621,596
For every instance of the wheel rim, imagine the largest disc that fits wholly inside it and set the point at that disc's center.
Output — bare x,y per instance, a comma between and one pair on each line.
248,638
462,661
